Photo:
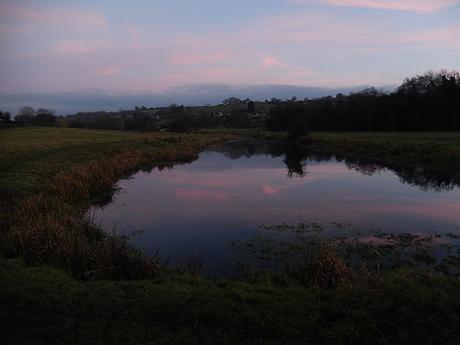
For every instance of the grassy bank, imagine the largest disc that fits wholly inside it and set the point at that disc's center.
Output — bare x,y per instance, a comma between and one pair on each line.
433,153
63,281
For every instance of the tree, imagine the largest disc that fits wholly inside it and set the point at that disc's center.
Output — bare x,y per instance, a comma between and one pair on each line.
295,160
251,107
26,111
182,123
5,116
25,115
44,117
290,117
232,101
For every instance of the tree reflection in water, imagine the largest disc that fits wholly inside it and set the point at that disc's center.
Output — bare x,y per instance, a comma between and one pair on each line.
296,157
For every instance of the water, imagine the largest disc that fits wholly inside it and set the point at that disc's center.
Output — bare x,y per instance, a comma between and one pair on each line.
196,210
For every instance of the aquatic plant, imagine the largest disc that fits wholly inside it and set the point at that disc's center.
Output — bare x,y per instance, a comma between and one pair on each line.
327,254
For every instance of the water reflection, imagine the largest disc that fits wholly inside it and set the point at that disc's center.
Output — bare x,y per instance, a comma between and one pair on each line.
296,156
196,210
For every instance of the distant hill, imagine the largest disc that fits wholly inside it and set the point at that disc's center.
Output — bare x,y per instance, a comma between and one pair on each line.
192,95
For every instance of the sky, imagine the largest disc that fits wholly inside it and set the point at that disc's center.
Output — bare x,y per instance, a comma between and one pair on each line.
133,46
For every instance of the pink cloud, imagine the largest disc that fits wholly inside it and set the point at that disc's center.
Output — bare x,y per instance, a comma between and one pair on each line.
108,71
32,17
423,6
344,38
448,36
270,61
190,59
75,47
134,32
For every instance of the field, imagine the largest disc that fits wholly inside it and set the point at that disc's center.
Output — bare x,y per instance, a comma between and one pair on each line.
62,280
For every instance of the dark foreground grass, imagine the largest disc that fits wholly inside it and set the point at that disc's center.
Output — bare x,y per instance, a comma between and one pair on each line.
76,285
45,306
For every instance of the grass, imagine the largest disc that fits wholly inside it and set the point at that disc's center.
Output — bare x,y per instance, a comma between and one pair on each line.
62,280
46,306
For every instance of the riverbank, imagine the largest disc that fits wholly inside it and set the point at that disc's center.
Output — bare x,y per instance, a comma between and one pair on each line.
62,280
435,153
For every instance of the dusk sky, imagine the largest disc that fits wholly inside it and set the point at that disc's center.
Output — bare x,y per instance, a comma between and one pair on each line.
150,46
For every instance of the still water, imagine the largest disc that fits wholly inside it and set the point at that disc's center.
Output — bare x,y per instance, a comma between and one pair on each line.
196,210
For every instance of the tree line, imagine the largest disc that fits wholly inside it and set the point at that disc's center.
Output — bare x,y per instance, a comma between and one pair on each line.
232,113
28,116
429,102
5,119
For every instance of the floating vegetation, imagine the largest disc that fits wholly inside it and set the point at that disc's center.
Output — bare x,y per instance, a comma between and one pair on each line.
331,253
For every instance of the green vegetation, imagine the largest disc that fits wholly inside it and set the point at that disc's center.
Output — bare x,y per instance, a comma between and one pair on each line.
45,306
62,280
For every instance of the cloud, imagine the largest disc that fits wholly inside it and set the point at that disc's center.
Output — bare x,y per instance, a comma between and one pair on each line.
108,71
191,59
422,6
27,19
78,47
341,36
441,37
271,61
